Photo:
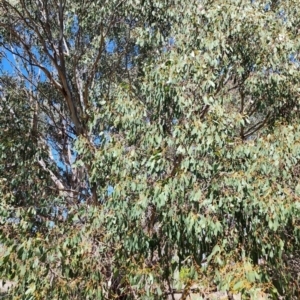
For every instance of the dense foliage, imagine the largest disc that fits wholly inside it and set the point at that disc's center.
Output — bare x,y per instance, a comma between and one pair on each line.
148,146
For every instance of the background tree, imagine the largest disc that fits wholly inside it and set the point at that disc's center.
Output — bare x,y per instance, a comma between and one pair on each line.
186,112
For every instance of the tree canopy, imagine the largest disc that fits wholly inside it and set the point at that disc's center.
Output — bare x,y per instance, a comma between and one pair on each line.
149,146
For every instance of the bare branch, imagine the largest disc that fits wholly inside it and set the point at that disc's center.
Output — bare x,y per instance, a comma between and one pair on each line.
54,178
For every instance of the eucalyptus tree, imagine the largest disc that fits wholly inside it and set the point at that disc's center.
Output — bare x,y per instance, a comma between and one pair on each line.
188,112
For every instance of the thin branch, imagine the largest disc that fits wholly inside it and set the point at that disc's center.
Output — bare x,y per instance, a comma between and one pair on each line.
257,126
54,178
35,64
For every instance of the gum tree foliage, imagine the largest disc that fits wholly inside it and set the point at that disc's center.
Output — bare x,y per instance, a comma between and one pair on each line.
188,111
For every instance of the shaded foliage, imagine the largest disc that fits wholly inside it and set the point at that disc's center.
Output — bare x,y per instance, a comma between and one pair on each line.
146,147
